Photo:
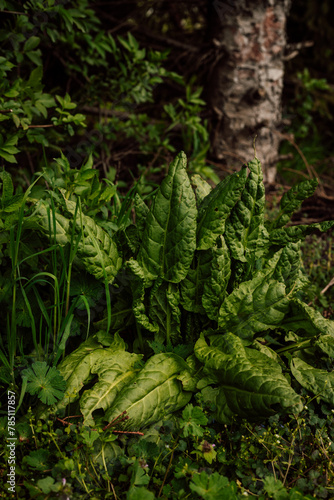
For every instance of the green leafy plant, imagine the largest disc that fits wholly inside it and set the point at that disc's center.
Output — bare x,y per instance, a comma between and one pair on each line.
206,269
44,381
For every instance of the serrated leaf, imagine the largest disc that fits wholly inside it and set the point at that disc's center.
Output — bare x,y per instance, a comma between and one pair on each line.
216,207
193,418
47,484
251,385
169,237
153,394
213,486
38,459
319,382
245,233
45,381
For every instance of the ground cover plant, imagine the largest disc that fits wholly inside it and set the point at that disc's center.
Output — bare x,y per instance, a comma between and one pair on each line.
201,305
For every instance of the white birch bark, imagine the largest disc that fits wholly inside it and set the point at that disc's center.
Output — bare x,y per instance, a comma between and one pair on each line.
246,84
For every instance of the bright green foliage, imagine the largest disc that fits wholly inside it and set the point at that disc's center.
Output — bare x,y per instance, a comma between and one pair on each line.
154,393
44,381
291,201
169,238
113,364
193,419
245,232
38,459
319,382
94,246
257,305
216,207
213,278
213,487
250,383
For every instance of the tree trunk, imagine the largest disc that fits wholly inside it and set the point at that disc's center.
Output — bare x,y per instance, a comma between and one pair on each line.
245,87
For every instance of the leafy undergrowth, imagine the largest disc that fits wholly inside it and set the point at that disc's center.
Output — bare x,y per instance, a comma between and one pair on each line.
187,456
203,303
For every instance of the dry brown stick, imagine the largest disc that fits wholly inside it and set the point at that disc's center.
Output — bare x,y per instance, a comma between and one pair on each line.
331,283
120,418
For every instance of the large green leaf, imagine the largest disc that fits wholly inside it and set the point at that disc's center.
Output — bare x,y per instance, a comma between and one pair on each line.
138,305
77,367
215,286
257,305
203,289
216,207
245,233
306,321
154,393
288,266
169,237
192,286
319,382
291,201
141,211
326,345
202,188
115,370
96,249
164,310
284,235
57,227
251,384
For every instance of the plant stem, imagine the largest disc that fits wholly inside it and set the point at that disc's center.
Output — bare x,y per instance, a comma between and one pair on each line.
168,318
298,346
